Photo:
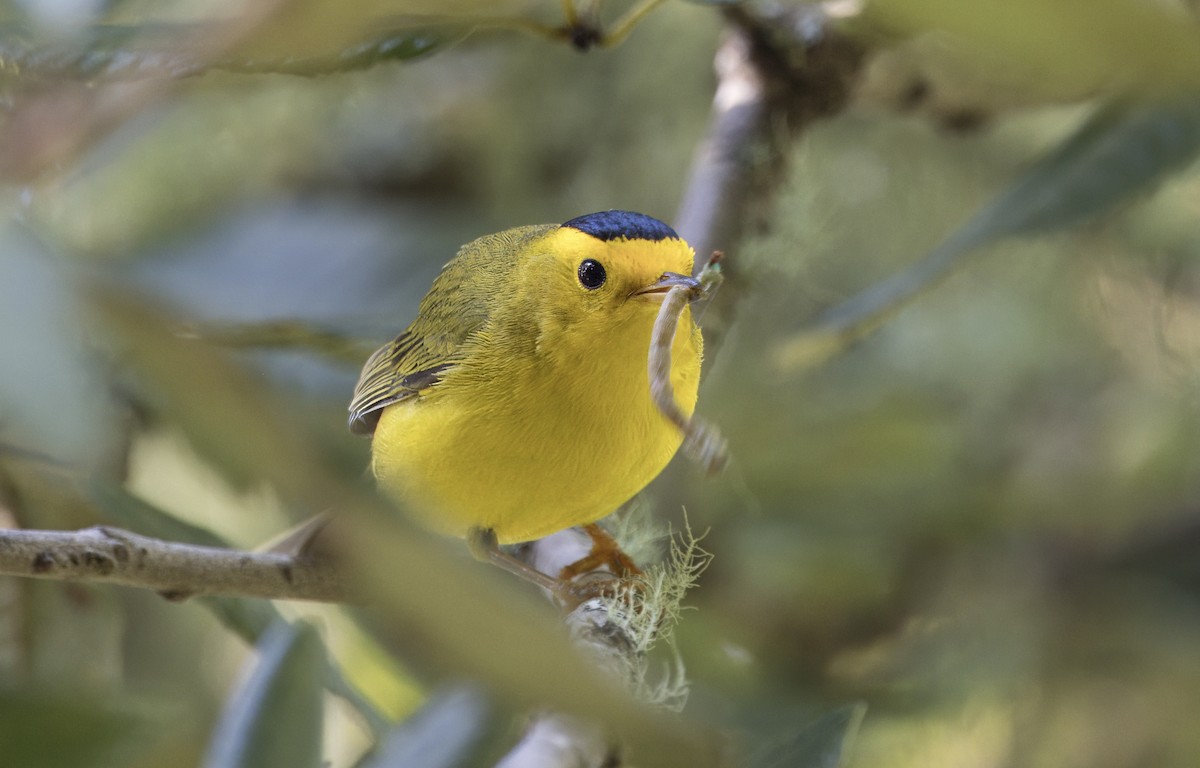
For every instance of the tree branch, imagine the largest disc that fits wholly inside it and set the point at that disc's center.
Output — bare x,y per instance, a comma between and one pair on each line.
554,740
779,70
178,571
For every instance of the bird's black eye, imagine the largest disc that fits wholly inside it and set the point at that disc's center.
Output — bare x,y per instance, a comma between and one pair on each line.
591,274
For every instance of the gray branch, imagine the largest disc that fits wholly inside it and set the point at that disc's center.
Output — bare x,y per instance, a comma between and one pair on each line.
554,740
178,571
779,70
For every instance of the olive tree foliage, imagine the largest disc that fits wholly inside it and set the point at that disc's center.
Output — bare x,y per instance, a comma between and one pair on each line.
954,356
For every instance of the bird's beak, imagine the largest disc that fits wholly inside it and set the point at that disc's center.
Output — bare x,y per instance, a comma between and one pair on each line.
657,290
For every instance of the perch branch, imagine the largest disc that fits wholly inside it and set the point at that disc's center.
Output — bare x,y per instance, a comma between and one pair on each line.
615,635
779,71
178,571
555,740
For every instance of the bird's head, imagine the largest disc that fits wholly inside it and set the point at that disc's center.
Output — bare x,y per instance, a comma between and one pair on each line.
614,264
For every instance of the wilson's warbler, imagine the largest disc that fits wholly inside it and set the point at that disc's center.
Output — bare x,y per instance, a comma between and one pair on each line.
518,402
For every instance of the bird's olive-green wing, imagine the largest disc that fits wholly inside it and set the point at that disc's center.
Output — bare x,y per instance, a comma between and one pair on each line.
457,305
395,372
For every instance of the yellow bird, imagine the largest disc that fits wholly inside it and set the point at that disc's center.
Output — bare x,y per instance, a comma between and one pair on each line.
518,403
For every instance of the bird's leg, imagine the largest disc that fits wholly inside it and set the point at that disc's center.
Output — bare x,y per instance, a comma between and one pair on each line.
605,551
485,548
578,582
605,572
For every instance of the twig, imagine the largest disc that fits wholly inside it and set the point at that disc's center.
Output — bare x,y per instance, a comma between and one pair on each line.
178,571
715,200
559,741
284,334
780,68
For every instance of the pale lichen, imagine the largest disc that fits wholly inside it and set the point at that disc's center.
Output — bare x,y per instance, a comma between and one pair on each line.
646,610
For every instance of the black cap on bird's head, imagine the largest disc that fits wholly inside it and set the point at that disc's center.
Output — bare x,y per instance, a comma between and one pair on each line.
615,225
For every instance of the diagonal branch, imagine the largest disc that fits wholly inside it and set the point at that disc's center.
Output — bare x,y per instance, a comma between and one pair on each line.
178,571
779,71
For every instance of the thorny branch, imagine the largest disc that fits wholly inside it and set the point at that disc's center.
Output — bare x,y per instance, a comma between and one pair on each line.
178,571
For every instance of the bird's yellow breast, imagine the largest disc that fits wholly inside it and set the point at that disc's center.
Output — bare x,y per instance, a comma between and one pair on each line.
528,440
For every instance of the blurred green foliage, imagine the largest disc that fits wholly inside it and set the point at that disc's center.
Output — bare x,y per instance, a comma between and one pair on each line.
273,719
980,521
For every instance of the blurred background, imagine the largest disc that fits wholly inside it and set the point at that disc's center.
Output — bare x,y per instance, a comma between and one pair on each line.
981,521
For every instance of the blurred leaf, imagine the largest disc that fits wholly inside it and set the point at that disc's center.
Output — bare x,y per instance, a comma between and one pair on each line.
128,511
472,622
462,618
289,334
52,399
155,50
176,369
1067,48
1171,552
72,636
822,743
455,729
70,731
1123,151
301,37
247,618
313,29
274,719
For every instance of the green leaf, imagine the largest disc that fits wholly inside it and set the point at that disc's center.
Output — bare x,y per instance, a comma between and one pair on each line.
52,398
274,718
823,743
402,45
315,29
246,617
128,511
455,729
250,618
57,731
1068,48
1123,151
111,51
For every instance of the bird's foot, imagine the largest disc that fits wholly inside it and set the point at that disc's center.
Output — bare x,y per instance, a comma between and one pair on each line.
606,553
605,572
